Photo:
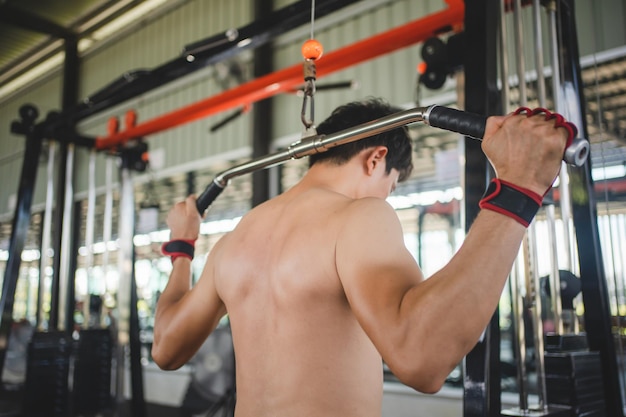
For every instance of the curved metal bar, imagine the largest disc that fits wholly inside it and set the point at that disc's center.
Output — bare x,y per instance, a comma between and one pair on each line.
308,146
468,124
322,143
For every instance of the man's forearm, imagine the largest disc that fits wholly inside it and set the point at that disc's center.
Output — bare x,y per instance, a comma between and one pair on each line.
180,278
178,285
451,309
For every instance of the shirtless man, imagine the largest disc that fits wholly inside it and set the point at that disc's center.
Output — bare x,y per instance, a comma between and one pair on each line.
320,288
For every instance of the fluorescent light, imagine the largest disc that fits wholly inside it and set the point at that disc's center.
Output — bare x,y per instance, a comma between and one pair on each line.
126,19
608,173
142,240
104,15
244,42
425,198
219,226
28,77
30,255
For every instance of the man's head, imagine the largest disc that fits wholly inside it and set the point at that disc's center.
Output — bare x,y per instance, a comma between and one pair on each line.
397,141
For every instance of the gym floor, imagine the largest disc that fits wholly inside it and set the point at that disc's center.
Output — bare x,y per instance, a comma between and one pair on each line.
11,398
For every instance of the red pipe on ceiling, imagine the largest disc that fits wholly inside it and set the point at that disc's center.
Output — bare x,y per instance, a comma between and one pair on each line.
291,77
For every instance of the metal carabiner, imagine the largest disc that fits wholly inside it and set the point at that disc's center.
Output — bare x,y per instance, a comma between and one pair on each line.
308,100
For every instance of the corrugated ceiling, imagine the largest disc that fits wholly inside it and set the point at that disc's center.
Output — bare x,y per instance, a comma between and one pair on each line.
28,27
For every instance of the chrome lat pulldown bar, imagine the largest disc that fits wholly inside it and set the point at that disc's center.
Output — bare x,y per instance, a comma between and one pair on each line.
468,124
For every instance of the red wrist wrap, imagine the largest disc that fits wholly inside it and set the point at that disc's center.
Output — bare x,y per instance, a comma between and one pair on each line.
515,202
560,121
179,247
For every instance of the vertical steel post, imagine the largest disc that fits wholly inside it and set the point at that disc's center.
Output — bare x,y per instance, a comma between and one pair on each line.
519,47
65,279
262,111
521,302
107,227
584,211
535,282
138,405
127,318
482,365
519,337
125,269
560,106
60,282
89,236
565,200
46,231
19,230
534,301
53,320
72,263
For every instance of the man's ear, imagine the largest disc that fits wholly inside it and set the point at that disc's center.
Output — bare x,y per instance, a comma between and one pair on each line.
375,157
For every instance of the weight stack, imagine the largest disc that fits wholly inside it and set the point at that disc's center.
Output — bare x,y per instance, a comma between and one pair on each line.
575,379
46,391
92,372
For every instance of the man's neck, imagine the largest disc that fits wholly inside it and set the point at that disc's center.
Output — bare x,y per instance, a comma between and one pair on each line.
343,179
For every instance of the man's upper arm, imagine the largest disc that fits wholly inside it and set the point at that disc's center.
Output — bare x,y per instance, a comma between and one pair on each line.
376,270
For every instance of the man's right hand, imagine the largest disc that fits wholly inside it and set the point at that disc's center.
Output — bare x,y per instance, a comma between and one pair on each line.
525,151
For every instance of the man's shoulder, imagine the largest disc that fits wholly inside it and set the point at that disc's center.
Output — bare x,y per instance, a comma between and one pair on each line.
360,213
367,204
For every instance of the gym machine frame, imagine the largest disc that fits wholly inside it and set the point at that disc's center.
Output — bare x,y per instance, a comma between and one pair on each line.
482,397
593,279
260,89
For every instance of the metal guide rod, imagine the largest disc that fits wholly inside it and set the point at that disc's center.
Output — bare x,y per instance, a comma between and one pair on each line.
66,237
517,315
555,279
541,86
555,276
503,59
516,279
125,268
108,214
559,105
519,42
542,393
446,118
89,234
46,233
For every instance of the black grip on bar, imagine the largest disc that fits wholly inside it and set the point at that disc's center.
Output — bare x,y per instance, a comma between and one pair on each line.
208,196
469,124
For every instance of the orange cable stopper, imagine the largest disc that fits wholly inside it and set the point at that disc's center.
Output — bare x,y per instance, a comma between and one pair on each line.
312,49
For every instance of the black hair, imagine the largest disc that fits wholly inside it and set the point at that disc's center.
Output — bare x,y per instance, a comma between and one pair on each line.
397,141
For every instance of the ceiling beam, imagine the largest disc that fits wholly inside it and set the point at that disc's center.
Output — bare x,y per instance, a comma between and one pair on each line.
29,21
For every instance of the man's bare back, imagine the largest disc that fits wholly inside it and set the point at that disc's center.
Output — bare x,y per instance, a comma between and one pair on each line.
320,288
295,333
